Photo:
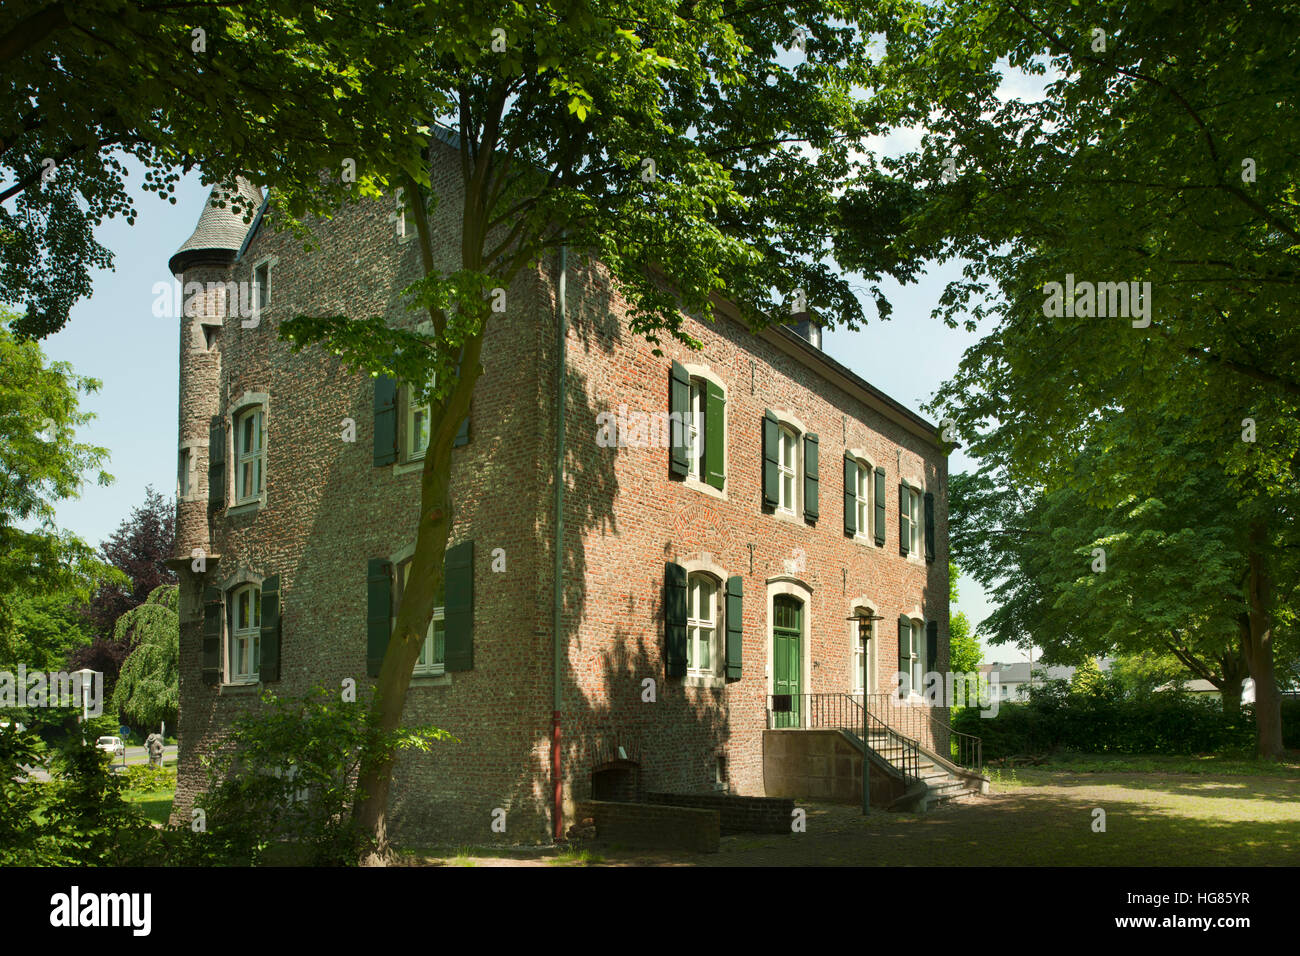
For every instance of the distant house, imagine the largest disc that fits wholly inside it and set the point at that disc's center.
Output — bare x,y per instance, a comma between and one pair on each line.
1014,680
1203,688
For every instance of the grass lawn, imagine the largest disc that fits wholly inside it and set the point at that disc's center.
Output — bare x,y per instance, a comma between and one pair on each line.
1245,765
155,804
1201,815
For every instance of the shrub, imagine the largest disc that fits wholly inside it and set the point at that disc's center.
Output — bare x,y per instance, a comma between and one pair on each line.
78,818
146,779
286,780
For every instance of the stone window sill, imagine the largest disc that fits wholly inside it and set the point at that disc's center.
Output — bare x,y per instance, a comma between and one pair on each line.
247,508
690,481
431,680
789,518
713,681
240,688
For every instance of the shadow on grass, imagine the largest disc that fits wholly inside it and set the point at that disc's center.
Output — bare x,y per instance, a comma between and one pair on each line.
1271,789
1029,826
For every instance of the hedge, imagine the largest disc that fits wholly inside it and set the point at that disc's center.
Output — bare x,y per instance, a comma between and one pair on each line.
1161,724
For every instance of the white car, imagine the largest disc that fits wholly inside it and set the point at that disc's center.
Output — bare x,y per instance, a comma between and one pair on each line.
112,745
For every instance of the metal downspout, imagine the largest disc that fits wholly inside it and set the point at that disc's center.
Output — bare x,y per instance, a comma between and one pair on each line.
557,600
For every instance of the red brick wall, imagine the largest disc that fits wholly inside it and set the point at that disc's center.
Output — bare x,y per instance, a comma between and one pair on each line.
329,509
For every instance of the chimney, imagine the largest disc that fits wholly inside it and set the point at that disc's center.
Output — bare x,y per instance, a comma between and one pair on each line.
808,328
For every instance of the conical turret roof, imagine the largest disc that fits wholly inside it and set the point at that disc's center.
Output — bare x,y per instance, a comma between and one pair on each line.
221,229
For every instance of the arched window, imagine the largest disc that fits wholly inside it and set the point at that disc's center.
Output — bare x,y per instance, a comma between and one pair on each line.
245,634
701,624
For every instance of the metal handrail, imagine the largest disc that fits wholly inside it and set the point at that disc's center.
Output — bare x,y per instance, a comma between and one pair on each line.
914,719
840,711
969,748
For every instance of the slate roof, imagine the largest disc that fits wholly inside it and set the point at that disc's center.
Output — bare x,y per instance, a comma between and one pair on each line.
221,228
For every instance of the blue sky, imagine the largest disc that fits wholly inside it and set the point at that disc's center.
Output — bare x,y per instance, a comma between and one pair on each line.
115,337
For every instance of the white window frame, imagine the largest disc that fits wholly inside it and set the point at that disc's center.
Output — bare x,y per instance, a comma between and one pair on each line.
409,411
695,428
918,664
255,459
915,532
425,665
863,491
787,436
250,635
856,651
411,453
914,524
696,624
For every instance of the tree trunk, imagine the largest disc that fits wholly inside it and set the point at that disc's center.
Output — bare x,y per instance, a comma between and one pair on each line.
1259,648
419,597
425,582
1234,670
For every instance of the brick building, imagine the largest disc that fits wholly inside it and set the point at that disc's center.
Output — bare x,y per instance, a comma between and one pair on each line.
693,584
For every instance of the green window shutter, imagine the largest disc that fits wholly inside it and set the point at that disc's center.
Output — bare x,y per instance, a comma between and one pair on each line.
217,464
385,420
850,496
931,645
905,644
379,613
268,668
771,448
810,481
880,506
462,436
458,571
715,435
735,626
213,615
675,620
679,407
929,526
904,519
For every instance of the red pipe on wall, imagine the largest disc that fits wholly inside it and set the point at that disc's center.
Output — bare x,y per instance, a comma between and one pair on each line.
557,813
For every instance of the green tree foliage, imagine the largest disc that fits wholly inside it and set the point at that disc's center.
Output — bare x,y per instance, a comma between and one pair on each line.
1087,678
139,548
42,629
1159,570
1150,157
964,653
41,462
278,86
148,688
1143,673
